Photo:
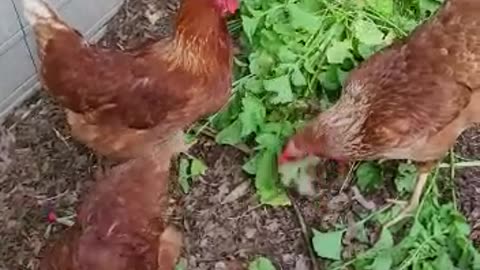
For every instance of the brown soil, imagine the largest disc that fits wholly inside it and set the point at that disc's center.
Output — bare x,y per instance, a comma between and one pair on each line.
468,180
48,170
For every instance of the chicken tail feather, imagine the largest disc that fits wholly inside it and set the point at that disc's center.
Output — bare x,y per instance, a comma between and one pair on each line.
43,19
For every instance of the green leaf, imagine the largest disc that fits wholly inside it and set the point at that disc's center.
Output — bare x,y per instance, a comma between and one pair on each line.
406,177
328,245
261,263
367,32
302,19
231,134
181,265
249,26
383,261
361,234
252,115
329,79
286,55
260,63
197,168
369,176
428,6
266,180
269,141
251,165
383,6
366,50
385,241
183,176
281,86
297,77
444,262
339,51
254,86
189,138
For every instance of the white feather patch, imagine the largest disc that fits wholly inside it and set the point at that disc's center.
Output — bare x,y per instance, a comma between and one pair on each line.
36,10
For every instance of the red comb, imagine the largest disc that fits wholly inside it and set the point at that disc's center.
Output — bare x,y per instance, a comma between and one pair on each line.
283,158
232,6
52,217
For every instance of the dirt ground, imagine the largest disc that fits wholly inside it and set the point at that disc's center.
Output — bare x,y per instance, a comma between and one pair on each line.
49,170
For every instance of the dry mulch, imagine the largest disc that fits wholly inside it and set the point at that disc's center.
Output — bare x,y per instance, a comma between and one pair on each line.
49,170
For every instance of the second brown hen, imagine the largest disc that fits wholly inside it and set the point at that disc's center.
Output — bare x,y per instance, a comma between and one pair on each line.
409,101
120,223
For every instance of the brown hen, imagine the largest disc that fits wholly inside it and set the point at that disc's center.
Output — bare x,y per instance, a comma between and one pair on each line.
120,104
120,223
409,101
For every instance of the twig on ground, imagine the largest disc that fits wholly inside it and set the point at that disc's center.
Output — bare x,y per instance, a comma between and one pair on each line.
358,196
349,177
62,138
305,232
465,164
244,213
26,114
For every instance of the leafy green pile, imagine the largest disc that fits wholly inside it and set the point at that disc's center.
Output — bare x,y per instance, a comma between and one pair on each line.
298,53
437,240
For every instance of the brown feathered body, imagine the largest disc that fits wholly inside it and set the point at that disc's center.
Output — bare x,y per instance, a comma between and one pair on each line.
120,223
121,103
409,101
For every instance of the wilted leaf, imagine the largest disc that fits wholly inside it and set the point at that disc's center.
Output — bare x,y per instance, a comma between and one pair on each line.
237,192
183,175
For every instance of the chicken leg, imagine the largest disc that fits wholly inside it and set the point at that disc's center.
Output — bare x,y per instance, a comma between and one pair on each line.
343,168
170,245
424,171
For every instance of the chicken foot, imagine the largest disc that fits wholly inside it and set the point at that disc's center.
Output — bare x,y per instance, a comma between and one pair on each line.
424,172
